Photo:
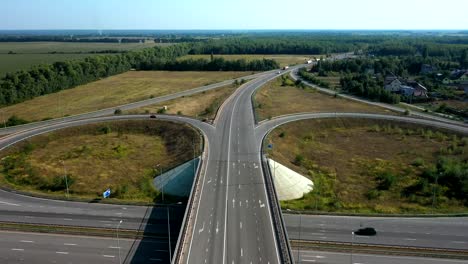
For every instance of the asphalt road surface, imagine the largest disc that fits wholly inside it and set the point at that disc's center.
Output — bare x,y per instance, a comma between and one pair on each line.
320,257
234,223
443,232
30,248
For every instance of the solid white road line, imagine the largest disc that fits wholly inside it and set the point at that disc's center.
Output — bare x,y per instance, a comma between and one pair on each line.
6,203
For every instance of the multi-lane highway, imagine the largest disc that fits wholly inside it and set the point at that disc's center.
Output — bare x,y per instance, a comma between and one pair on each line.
17,247
232,217
438,232
321,257
233,222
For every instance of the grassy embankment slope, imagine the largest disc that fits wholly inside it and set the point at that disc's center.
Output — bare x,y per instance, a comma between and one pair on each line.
369,166
113,91
118,155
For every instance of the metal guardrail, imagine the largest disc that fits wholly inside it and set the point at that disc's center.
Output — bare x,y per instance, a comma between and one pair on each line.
278,221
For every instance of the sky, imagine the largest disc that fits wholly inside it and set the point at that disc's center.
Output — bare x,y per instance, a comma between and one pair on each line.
233,14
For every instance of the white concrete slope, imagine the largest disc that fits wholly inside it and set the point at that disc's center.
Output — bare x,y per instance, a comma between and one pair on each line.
289,184
179,180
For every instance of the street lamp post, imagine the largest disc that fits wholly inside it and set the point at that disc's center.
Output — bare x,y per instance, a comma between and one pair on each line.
434,191
118,241
300,228
169,233
352,242
66,179
162,187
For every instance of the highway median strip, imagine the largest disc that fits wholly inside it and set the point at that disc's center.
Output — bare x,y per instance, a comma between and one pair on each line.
77,230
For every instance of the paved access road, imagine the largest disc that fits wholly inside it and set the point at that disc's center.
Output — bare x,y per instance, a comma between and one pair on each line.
438,232
359,258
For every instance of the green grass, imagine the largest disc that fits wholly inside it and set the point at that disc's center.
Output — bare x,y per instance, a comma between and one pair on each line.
366,166
117,155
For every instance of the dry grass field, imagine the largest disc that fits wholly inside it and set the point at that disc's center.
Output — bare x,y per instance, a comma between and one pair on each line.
201,105
118,155
345,159
274,100
113,91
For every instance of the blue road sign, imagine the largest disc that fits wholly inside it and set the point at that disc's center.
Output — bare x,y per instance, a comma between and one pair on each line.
106,194
270,146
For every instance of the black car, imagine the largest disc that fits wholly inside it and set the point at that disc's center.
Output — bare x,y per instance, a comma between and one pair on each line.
366,231
152,116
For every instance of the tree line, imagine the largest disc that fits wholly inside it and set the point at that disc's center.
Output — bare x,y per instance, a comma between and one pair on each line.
49,78
216,64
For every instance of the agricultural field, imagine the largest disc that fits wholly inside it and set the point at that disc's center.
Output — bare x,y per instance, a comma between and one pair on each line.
68,47
281,96
283,60
27,54
117,155
16,62
113,91
203,105
365,166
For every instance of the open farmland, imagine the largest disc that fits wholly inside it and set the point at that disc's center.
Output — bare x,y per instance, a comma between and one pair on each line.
27,54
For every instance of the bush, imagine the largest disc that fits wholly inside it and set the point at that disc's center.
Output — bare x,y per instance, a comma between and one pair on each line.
282,134
418,162
372,194
386,180
106,130
118,111
162,110
299,160
15,121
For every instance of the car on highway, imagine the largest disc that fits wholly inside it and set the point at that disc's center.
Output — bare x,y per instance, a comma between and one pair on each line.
366,231
152,116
